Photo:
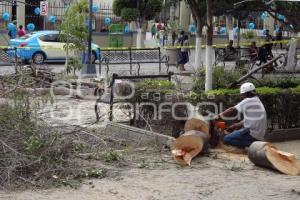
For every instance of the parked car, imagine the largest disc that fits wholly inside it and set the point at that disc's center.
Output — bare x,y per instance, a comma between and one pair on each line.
44,46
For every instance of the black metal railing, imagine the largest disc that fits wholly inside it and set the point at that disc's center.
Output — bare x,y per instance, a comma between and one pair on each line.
133,56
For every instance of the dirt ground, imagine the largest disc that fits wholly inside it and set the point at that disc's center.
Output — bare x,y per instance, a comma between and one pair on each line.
151,174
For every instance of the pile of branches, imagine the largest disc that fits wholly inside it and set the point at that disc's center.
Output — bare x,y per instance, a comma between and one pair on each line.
33,153
41,76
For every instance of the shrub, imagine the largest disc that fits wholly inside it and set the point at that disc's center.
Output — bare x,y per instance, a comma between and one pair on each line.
162,86
277,82
221,78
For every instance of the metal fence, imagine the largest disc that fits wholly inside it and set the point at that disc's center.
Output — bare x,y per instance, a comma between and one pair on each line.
58,10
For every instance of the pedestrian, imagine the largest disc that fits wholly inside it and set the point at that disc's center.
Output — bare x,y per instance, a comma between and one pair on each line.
153,31
253,51
254,125
269,44
21,31
230,51
159,27
161,36
13,32
174,35
184,52
279,36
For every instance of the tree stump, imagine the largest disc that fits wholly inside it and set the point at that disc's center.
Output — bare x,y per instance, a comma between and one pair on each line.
266,155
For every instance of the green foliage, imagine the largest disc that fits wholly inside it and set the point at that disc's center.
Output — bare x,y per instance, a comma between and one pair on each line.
112,155
221,78
129,14
147,9
277,82
74,32
296,90
291,10
249,35
33,143
30,149
260,91
93,173
161,86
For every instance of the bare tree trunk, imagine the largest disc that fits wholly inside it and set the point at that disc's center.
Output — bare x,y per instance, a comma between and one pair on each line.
140,34
209,47
197,18
198,48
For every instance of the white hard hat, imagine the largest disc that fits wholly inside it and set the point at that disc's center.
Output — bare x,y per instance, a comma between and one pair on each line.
247,87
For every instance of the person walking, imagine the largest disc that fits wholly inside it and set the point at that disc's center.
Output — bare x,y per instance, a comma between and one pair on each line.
279,36
21,31
184,52
153,31
269,44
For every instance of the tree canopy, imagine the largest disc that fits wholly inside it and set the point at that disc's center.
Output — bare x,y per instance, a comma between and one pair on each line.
130,10
291,10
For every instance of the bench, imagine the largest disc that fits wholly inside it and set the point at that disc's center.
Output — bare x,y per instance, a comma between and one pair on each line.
111,100
241,56
133,56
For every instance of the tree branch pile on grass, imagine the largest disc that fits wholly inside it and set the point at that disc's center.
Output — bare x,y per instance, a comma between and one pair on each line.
33,153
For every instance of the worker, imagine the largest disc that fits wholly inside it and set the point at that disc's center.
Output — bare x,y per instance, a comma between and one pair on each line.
253,126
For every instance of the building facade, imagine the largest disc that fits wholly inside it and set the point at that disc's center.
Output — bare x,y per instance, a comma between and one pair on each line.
22,11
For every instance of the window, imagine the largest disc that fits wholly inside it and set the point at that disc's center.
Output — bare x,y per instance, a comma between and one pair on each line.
50,38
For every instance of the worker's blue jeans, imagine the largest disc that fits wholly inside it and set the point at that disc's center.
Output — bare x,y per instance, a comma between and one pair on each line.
239,138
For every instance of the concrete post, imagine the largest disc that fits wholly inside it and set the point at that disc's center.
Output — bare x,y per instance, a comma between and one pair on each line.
21,12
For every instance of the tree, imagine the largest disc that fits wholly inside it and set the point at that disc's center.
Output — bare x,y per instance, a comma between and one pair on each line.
291,11
198,10
139,11
74,32
209,45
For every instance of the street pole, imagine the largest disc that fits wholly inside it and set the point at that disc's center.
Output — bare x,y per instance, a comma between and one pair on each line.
90,33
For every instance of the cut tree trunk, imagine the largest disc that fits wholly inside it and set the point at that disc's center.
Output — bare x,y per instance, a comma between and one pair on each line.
192,142
188,145
196,125
266,155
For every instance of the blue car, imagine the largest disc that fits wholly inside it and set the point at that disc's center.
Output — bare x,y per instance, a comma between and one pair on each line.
44,46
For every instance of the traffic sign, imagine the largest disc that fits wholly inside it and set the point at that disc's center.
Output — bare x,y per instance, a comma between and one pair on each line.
43,8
